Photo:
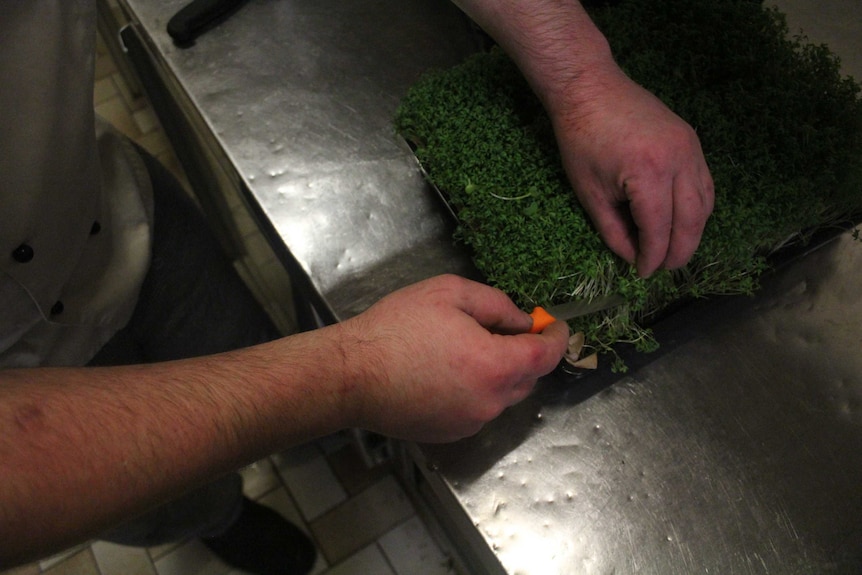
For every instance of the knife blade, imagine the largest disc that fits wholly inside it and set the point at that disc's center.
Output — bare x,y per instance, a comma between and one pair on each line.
542,317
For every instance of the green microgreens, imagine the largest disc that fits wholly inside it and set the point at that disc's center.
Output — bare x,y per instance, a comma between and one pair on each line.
780,127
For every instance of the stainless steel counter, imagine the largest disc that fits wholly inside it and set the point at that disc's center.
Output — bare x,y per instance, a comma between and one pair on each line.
297,98
736,449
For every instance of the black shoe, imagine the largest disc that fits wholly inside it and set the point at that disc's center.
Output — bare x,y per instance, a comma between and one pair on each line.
264,543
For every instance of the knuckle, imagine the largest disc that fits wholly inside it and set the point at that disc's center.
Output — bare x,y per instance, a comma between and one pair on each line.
449,281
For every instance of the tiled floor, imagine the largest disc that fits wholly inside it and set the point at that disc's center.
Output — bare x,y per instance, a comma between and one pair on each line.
360,518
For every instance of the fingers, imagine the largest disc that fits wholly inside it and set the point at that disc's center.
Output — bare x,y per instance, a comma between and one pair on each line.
434,363
543,351
527,356
692,205
638,229
651,204
530,356
670,218
519,358
615,226
662,223
554,341
640,173
492,309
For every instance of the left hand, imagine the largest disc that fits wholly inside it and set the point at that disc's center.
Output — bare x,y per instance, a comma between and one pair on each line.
637,169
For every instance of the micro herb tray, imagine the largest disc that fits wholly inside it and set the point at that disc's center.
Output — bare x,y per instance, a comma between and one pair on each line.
780,127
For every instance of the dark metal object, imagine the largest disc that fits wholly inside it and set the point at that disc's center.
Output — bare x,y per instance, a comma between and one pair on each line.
199,16
582,307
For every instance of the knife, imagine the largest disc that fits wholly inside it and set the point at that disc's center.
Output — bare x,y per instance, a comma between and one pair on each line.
542,317
199,16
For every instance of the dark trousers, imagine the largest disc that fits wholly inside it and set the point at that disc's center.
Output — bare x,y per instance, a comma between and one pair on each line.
192,303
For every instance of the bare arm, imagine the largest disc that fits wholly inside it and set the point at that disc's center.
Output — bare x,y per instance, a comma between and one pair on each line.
636,167
83,448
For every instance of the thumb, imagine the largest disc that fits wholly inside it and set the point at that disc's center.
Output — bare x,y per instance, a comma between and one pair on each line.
537,354
494,310
556,339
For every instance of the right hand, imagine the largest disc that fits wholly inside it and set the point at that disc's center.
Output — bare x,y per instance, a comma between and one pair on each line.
435,361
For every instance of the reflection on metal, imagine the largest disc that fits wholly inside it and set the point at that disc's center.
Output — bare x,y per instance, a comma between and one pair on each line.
739,450
300,97
736,449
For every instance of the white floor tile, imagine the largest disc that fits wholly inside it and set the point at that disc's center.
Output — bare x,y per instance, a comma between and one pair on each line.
158,551
81,563
49,562
146,120
411,550
114,559
105,89
259,479
369,561
191,559
361,520
310,480
28,569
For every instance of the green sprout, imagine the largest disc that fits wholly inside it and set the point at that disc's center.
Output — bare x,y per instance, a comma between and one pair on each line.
780,127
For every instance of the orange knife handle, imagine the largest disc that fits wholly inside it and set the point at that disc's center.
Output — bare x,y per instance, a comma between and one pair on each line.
541,319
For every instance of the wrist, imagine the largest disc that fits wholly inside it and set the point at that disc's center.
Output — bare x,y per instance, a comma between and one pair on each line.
575,79
556,45
308,385
356,369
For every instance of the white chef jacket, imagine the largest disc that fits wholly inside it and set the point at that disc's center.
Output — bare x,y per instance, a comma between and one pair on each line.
75,198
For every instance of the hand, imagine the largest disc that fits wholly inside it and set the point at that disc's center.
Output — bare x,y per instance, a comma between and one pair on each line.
437,360
638,171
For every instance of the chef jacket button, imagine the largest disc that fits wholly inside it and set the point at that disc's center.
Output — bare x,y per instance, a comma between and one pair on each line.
22,254
57,308
95,229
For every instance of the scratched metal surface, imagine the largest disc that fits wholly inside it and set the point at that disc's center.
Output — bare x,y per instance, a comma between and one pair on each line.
737,450
299,97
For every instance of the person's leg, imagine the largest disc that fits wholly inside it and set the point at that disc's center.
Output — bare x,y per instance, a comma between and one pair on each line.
205,512
193,303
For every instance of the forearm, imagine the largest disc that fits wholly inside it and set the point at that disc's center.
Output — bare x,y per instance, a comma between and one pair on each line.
636,167
81,449
554,43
